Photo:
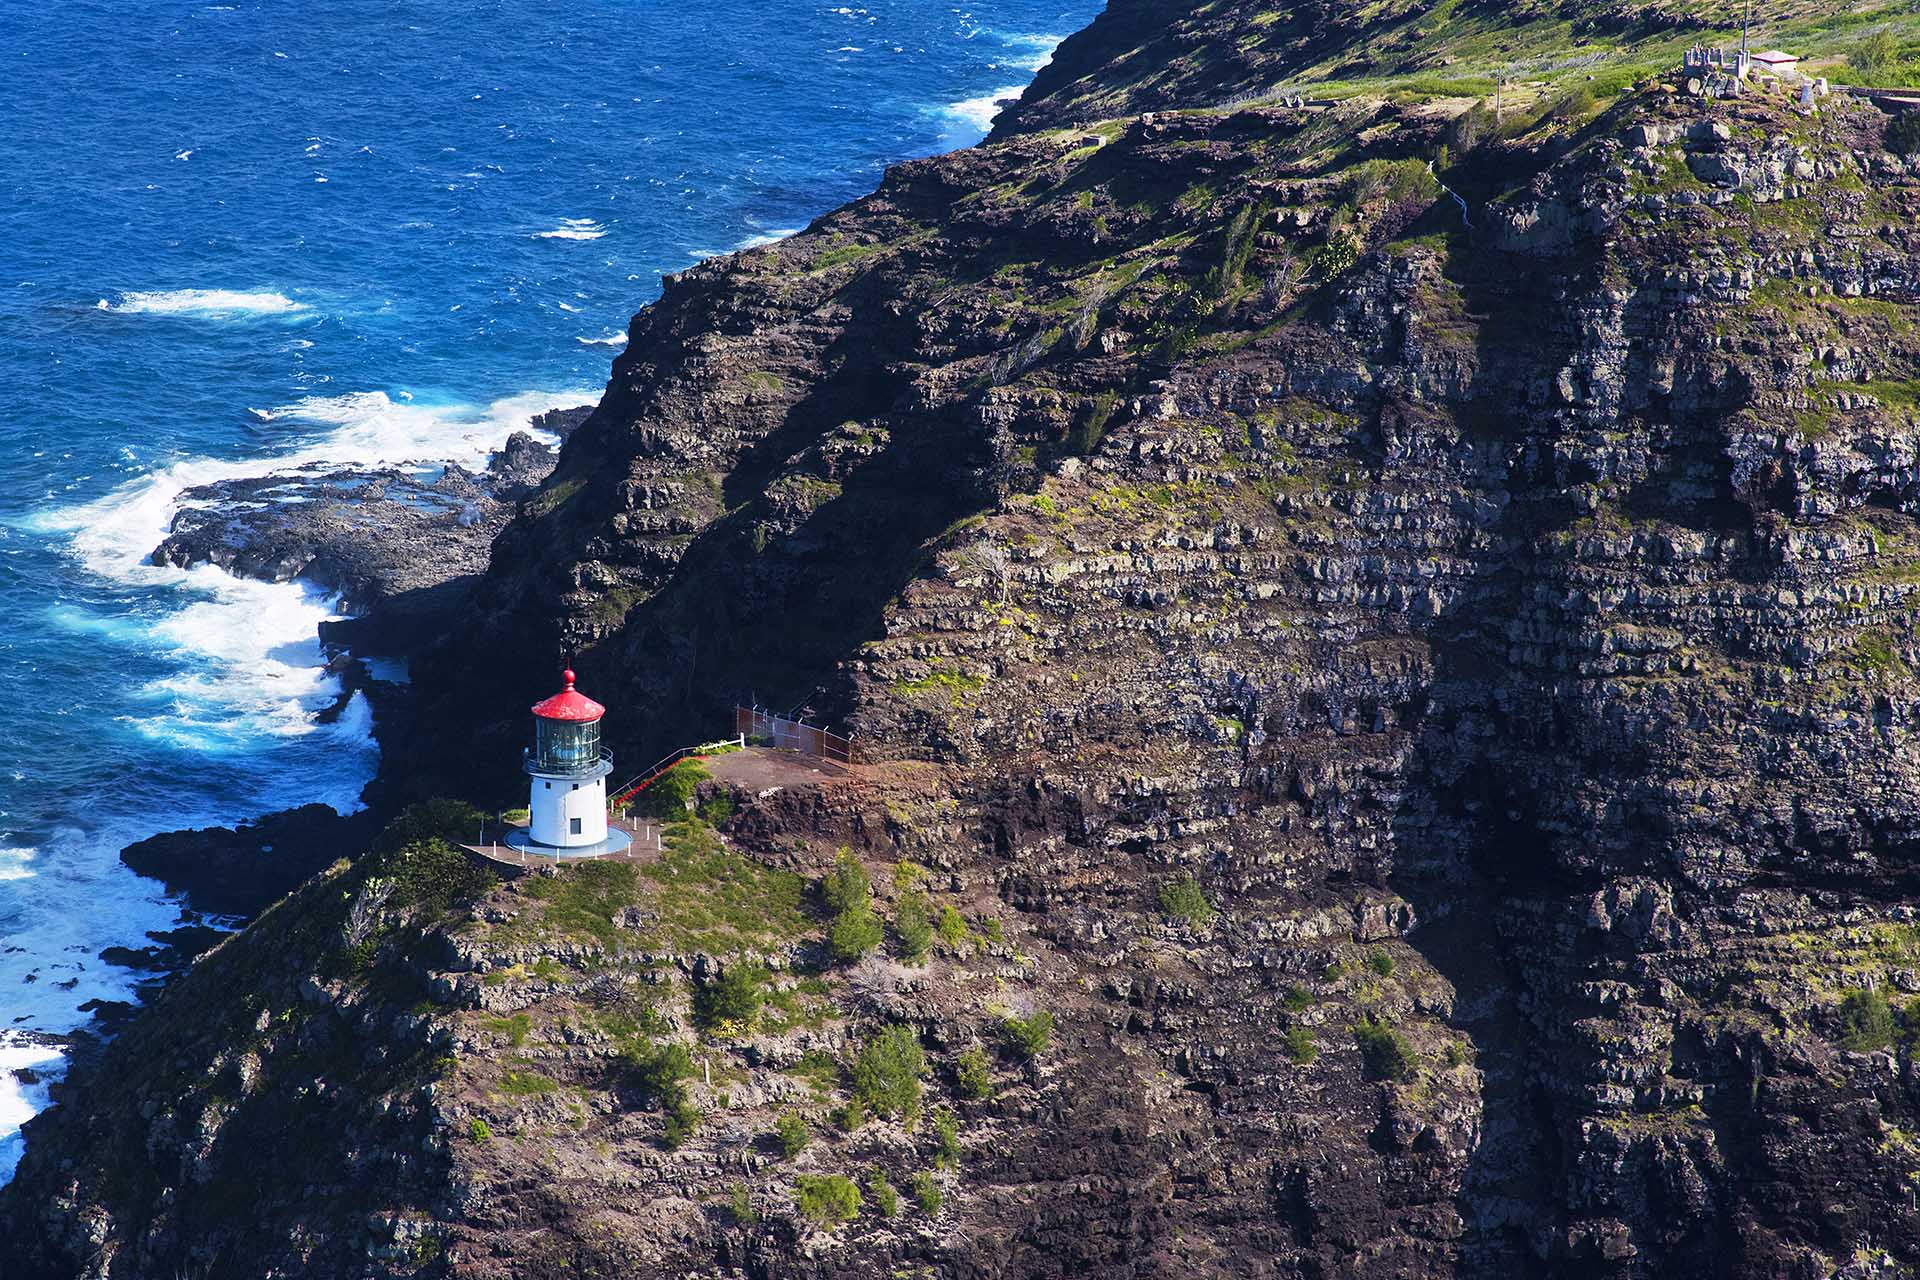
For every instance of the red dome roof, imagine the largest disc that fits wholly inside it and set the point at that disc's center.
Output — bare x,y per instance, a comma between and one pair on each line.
568,704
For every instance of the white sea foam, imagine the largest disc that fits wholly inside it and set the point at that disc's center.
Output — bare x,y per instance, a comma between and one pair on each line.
573,229
19,1100
202,302
980,113
611,340
255,664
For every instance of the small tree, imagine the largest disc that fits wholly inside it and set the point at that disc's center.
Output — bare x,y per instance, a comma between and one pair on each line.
731,1000
791,1132
973,1073
1876,55
886,1075
926,1192
1028,1036
992,560
827,1200
885,1199
946,1132
1183,899
846,886
1866,1021
1300,1046
912,926
854,934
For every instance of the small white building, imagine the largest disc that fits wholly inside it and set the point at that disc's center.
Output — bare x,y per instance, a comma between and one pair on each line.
1774,62
567,805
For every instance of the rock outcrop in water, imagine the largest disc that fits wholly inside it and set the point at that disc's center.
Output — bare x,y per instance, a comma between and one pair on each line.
1428,713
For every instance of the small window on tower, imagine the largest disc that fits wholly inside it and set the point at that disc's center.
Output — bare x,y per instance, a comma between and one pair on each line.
576,786
549,786
573,825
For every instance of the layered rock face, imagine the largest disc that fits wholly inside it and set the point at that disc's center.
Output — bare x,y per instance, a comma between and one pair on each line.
1429,708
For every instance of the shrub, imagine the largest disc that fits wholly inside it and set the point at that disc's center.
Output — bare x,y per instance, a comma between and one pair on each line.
1456,1055
1381,963
990,929
973,1073
791,1132
848,893
907,875
450,821
434,875
732,999
946,1132
1029,1036
953,926
851,1115
881,1192
1182,899
661,1071
1300,1046
682,1119
1296,999
846,886
828,1200
886,1076
671,794
1383,1050
740,1205
912,927
1866,1021
1876,55
716,809
926,1193
854,934
479,1130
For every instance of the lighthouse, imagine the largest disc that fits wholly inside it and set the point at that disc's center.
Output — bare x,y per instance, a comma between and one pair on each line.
568,801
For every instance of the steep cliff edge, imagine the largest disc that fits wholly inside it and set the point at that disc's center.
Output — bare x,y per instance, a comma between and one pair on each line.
1429,711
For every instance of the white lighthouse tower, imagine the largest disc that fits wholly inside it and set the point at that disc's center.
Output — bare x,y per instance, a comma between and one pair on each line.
568,802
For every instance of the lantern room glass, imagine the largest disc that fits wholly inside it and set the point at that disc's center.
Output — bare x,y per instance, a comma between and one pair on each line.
566,746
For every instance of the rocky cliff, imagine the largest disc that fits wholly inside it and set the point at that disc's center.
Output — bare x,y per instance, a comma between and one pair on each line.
1419,693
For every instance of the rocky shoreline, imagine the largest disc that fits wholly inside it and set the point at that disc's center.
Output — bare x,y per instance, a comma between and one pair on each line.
402,550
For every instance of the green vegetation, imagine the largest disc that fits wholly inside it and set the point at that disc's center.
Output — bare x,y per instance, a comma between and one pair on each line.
953,926
1090,424
1866,1021
885,1199
418,854
856,928
946,1134
1300,1046
740,1206
926,1193
584,900
792,1134
714,900
826,1200
732,1000
662,1072
1028,1037
515,1028
1296,1000
479,1130
973,1073
1380,962
886,1075
1183,899
912,927
1383,1050
670,796
526,1084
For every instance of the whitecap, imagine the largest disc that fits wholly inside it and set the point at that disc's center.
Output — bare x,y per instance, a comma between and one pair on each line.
573,229
184,155
980,113
611,340
202,302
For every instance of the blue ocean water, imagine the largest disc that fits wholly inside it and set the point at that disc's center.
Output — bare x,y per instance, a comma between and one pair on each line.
236,237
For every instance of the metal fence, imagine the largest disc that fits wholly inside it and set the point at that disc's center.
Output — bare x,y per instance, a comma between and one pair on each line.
791,735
